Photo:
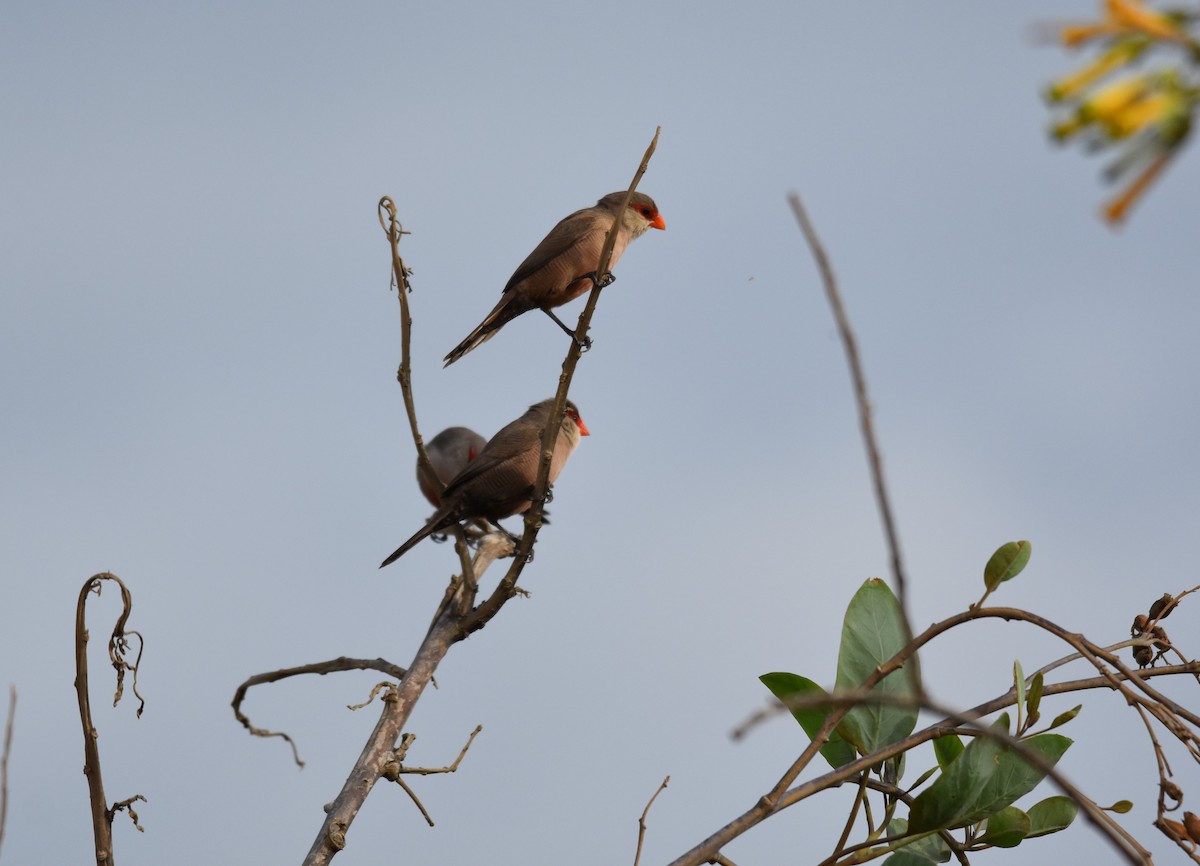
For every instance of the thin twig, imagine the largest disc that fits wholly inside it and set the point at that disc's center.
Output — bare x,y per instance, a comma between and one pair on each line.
413,796
8,735
859,798
864,403
394,231
453,768
642,820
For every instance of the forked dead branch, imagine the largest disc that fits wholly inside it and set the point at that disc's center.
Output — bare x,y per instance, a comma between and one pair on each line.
458,615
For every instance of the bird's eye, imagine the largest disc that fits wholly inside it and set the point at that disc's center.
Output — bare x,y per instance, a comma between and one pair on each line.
646,212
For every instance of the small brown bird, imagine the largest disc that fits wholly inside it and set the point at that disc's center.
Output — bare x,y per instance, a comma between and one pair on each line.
560,267
449,452
499,482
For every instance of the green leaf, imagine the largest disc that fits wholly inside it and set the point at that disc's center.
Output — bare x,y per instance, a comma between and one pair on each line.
1063,718
1034,699
1051,815
1007,828
1120,807
919,851
947,747
984,779
872,633
1006,563
793,686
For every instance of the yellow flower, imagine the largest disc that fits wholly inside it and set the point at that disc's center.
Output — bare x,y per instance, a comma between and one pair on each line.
1137,115
1114,58
1102,104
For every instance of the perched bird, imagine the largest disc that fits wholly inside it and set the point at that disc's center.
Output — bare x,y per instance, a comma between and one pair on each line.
499,481
560,267
450,451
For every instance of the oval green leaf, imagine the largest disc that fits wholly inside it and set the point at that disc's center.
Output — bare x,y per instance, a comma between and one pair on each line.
1006,563
873,631
1051,815
985,778
1063,718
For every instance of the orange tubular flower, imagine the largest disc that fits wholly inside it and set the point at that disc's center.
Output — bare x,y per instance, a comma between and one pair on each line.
1135,16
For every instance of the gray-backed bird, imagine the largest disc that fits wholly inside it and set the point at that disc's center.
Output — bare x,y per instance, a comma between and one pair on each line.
449,452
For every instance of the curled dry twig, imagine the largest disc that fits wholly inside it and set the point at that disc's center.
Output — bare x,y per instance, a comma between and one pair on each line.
400,273
342,663
118,649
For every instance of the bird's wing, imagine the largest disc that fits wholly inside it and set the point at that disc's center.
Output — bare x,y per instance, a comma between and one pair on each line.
577,234
503,489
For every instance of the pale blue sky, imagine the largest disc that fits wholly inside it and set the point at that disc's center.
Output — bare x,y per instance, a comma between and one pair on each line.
197,358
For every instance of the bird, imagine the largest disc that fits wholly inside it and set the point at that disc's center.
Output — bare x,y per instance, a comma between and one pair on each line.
563,266
499,482
449,453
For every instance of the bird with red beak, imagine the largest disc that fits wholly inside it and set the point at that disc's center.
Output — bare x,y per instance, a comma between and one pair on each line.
563,266
500,481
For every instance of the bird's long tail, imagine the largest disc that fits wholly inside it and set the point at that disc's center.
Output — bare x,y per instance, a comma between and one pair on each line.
508,309
476,338
429,528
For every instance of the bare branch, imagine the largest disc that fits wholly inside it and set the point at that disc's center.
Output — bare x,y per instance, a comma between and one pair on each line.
394,231
378,750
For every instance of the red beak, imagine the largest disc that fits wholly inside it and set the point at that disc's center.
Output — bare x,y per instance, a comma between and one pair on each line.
583,430
657,222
